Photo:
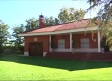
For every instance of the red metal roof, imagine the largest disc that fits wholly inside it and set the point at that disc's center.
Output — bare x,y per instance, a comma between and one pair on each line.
73,25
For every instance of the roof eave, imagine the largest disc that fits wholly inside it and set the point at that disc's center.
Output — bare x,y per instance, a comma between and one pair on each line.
60,32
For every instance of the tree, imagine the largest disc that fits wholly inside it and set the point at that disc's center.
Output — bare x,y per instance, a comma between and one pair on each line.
105,17
3,35
49,21
56,21
67,15
18,40
105,11
32,24
3,32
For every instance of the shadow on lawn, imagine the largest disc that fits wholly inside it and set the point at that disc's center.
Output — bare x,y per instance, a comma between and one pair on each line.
70,65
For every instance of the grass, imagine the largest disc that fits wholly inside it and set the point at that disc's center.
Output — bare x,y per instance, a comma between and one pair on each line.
35,68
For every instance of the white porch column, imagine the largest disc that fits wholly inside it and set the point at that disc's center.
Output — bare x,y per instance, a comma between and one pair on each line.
99,48
50,43
70,42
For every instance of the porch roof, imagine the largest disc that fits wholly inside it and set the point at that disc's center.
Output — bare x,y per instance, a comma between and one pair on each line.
57,29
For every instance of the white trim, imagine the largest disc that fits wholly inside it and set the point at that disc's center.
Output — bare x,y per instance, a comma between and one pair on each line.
44,54
86,50
77,50
61,50
26,53
70,42
59,32
50,43
99,49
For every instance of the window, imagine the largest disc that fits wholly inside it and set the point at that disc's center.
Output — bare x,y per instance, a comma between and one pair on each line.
85,43
61,43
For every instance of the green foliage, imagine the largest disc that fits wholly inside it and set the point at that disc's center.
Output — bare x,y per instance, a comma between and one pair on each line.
104,14
50,21
32,24
104,44
105,17
67,15
13,50
111,48
109,39
3,32
105,8
56,21
18,40
1,48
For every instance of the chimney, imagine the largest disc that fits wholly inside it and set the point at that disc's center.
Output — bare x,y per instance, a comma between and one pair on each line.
41,21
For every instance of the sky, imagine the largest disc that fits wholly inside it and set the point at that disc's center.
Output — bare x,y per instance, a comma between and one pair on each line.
15,12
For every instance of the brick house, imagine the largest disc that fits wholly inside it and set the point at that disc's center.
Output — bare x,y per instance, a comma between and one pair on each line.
68,37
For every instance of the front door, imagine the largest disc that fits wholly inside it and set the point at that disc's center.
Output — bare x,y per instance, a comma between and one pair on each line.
36,49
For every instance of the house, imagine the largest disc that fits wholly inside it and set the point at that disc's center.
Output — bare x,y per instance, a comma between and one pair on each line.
70,37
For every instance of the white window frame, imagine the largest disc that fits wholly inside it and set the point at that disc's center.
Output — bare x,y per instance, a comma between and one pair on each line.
61,43
85,43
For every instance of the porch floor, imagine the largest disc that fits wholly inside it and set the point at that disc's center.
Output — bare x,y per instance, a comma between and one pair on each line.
107,56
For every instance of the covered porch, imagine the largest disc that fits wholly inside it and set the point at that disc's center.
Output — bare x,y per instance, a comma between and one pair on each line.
75,42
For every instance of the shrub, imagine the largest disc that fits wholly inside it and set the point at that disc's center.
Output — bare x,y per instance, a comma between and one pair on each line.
1,49
13,50
105,45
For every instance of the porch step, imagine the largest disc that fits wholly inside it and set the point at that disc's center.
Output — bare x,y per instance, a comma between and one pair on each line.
80,56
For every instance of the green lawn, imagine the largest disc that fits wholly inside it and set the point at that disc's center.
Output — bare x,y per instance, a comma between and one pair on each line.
34,68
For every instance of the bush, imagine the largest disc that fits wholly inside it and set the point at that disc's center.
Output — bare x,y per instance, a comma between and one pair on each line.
1,49
104,45
111,48
13,50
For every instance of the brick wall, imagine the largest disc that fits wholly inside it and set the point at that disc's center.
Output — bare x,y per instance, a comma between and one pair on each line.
44,39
